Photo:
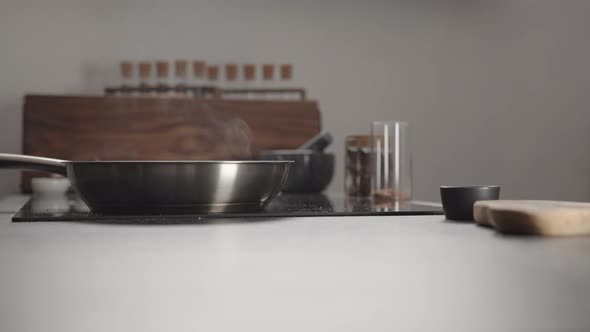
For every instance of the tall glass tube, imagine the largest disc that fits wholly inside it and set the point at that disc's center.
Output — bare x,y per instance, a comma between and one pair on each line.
392,177
180,77
145,78
249,75
126,68
198,78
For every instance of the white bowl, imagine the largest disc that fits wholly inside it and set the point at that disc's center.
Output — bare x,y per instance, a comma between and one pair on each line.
50,186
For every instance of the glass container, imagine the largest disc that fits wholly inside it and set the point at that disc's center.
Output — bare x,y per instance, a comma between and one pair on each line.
392,166
358,166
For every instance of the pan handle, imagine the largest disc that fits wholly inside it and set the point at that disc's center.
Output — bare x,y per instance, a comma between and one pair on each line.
19,161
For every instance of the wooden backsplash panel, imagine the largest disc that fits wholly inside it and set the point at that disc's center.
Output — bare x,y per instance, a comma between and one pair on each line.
165,128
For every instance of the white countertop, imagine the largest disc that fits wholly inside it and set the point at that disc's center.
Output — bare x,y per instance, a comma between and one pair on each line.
295,274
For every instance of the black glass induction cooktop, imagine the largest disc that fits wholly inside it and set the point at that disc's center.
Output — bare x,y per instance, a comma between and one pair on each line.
71,208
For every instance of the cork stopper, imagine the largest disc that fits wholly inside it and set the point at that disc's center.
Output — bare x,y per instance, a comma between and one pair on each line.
231,71
180,68
145,70
358,140
249,71
268,72
286,72
199,68
162,69
126,69
212,72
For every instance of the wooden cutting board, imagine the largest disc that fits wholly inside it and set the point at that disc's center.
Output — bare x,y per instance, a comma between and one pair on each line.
162,128
547,218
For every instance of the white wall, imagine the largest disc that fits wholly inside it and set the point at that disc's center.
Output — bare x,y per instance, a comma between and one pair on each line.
496,91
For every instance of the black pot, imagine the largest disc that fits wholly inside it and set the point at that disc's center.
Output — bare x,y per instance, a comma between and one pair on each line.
311,171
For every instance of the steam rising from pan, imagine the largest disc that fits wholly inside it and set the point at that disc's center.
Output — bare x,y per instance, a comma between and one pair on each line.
234,135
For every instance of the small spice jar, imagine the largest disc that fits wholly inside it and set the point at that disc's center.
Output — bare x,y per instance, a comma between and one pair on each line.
358,163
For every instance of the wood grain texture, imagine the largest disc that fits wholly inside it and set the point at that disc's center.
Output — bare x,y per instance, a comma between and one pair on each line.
546,218
161,128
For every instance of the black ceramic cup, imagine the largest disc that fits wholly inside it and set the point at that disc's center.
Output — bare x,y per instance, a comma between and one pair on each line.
458,201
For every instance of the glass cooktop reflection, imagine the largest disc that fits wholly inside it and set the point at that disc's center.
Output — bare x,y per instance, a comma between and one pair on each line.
71,208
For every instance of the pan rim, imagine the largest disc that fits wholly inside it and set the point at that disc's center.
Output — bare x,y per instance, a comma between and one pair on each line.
180,162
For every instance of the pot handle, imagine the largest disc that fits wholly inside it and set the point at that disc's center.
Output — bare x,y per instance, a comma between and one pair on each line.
19,161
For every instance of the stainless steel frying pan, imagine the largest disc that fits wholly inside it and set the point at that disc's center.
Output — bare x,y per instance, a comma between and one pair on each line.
165,186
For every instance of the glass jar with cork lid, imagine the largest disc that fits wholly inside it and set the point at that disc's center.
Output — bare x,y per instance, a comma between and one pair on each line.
358,166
